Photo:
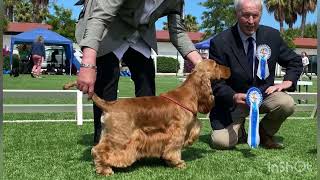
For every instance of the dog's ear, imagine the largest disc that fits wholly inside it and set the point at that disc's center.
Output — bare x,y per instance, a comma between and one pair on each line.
205,97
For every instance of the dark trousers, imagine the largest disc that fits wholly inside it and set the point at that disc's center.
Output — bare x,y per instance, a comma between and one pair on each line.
108,72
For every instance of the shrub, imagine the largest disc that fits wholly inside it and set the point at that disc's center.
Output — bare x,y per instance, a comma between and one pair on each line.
15,62
167,64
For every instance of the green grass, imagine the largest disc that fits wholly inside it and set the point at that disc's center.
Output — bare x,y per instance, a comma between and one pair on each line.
62,150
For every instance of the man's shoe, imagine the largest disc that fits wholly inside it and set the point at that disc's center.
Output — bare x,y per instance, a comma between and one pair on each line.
267,141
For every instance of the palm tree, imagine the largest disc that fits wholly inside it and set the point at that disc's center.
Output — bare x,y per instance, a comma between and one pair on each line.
190,23
8,8
40,3
23,12
277,7
290,12
305,6
40,10
165,26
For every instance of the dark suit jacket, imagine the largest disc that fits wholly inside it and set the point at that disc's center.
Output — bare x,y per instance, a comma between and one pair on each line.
227,49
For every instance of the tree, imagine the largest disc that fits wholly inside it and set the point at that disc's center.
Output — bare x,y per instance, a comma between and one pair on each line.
219,15
40,3
40,10
8,8
310,31
290,12
3,18
62,21
290,34
23,12
190,23
277,7
305,6
27,10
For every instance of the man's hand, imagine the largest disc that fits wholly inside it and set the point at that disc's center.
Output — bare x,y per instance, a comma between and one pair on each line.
279,87
87,76
240,99
194,57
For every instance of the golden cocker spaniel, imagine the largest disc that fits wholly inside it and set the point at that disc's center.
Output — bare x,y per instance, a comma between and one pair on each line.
155,126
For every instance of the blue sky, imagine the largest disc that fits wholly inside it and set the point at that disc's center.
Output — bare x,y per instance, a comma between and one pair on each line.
193,7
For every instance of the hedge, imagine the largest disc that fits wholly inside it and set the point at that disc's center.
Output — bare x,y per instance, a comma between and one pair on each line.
15,62
167,65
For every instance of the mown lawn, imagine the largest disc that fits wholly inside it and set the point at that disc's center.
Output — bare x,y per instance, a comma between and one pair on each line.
62,150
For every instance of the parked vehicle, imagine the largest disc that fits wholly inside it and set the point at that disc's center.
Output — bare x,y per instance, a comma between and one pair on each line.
55,56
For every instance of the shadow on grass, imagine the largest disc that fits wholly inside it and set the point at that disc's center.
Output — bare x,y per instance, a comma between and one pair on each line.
192,153
87,141
143,163
205,139
278,139
312,151
245,152
188,154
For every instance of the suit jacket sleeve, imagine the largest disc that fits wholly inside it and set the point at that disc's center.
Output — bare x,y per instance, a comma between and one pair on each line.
178,34
223,93
292,62
102,15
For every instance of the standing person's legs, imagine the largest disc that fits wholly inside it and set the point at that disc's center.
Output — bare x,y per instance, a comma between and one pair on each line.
142,72
305,70
35,59
278,106
38,68
106,86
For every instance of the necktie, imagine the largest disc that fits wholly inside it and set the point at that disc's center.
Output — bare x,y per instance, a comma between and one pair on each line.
250,53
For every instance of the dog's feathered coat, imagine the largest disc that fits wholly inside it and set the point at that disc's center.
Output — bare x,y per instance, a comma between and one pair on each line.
155,126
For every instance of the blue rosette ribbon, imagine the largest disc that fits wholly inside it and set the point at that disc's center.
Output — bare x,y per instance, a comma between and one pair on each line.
263,54
254,100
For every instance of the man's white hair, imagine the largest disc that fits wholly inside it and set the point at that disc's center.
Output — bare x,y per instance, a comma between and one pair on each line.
238,3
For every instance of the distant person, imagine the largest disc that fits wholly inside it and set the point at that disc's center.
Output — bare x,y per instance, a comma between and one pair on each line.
38,55
53,56
305,63
24,53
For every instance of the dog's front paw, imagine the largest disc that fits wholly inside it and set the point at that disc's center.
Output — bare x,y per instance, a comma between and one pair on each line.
105,171
181,165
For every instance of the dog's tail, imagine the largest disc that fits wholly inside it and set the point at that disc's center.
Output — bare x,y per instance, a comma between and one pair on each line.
102,104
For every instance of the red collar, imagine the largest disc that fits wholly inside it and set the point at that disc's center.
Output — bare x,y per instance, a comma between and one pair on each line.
184,107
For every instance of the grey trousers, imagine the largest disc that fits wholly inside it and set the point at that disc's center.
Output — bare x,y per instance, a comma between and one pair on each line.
276,107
